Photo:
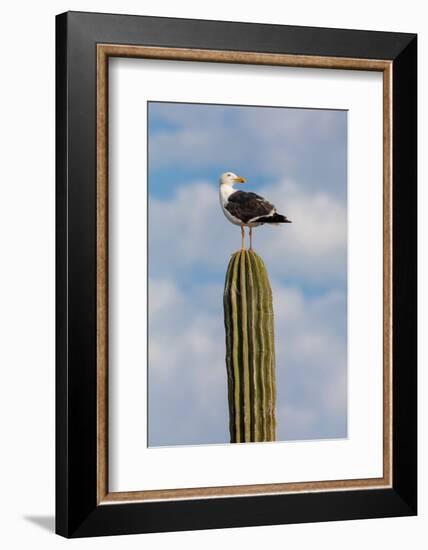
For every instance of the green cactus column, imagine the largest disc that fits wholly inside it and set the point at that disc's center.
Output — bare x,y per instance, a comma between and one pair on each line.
250,349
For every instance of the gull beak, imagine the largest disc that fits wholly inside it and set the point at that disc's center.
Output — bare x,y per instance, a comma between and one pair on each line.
240,180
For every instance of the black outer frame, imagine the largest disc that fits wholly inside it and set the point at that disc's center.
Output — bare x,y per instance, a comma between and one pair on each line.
77,513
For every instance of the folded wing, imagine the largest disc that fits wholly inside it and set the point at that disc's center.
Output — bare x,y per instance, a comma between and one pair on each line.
249,207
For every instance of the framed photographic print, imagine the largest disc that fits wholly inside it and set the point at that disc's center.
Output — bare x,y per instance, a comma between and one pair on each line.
236,274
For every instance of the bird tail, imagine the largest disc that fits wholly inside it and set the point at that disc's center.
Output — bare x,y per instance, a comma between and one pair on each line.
275,218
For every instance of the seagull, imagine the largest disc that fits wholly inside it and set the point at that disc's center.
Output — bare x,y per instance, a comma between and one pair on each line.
246,209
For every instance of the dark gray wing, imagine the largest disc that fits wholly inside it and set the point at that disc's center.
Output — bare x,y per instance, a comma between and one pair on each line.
247,206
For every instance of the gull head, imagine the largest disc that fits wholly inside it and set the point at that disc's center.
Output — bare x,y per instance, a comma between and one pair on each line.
229,178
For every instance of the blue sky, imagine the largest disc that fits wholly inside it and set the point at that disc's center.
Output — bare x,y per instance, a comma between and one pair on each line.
297,159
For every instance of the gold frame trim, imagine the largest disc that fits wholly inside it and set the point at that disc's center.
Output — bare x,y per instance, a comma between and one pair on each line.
104,51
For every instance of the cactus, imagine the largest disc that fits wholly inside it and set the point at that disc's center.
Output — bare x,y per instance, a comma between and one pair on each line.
250,349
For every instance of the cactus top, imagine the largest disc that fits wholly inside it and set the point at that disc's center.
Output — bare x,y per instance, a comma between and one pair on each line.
246,209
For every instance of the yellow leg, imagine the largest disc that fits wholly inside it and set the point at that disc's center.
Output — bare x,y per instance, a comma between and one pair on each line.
251,238
243,237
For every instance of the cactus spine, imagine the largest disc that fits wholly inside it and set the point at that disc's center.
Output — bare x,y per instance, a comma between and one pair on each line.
250,349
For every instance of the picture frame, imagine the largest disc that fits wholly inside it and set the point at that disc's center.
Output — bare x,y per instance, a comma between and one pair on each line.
84,44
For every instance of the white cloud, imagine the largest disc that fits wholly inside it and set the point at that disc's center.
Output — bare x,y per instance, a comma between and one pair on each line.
187,375
188,229
187,366
313,247
272,141
311,362
164,297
